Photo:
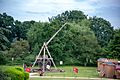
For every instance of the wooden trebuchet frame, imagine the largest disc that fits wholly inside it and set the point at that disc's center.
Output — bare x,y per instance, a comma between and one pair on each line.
44,48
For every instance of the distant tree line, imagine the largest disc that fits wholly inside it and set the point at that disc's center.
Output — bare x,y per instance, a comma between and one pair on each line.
81,42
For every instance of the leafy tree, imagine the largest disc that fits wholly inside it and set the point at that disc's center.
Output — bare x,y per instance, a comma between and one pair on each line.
4,42
68,16
114,46
6,22
18,30
102,29
37,34
81,44
3,58
19,50
26,26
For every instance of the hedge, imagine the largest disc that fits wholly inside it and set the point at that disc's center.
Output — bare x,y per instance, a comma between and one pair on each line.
14,72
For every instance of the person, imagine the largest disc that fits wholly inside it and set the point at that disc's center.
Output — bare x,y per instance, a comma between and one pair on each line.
31,65
24,66
41,73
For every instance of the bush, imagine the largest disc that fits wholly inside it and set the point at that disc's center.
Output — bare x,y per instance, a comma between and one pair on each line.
26,76
19,68
3,76
15,73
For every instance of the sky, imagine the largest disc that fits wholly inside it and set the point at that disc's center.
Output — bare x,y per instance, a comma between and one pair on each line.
40,10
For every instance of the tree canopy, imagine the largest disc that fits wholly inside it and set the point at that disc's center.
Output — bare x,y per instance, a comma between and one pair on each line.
102,29
114,46
74,43
81,42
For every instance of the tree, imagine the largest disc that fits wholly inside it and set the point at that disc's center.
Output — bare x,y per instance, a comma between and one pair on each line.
19,50
36,35
26,26
18,30
4,42
102,29
82,43
3,58
68,16
6,22
113,50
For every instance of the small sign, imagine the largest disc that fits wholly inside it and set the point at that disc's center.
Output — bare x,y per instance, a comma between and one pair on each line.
118,61
48,66
27,69
75,69
61,62
12,58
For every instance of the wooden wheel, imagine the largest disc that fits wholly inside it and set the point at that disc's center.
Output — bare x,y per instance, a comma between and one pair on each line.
47,64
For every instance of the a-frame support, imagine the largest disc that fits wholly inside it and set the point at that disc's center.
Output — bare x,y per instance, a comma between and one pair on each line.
44,48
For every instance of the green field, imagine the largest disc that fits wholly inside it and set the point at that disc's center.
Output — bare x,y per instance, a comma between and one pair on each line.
82,72
88,72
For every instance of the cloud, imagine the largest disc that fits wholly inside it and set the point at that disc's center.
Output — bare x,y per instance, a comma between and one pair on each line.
47,6
42,9
57,6
42,13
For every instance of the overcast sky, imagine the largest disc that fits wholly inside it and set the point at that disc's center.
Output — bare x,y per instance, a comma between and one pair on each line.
42,9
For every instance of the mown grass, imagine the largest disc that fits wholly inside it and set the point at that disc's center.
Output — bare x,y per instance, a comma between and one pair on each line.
82,72
89,72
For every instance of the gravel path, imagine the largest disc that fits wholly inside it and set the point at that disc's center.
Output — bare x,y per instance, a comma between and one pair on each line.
81,78
33,75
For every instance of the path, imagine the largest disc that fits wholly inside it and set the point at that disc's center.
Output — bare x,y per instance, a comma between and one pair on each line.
81,78
33,75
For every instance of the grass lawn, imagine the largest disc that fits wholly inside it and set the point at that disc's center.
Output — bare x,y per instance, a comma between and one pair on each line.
82,72
89,72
